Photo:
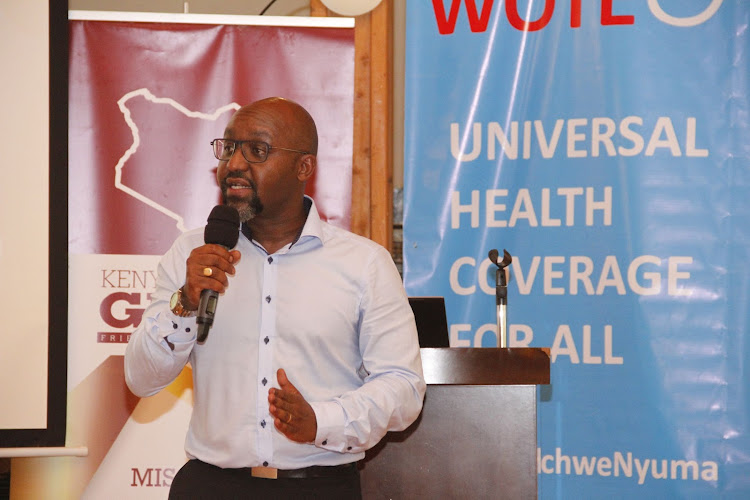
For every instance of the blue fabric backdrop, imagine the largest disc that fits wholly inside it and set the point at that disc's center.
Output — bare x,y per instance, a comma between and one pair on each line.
606,146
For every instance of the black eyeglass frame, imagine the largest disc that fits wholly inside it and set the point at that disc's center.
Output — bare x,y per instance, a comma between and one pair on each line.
250,141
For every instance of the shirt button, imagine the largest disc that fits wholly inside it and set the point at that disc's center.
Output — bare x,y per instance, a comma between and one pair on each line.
270,260
264,381
325,442
265,464
349,448
263,423
266,340
268,299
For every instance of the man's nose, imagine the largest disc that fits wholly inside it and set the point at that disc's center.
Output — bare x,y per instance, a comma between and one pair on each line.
237,160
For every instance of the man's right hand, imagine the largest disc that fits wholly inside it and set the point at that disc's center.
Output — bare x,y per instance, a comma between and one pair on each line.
208,268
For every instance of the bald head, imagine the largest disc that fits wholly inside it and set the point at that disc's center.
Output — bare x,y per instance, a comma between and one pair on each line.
291,120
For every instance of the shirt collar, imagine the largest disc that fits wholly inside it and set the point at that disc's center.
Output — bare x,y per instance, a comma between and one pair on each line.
311,229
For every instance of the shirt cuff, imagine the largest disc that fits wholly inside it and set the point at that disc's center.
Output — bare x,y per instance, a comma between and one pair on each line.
331,424
180,332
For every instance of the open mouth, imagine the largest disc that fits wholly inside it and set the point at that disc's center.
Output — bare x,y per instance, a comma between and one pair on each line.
237,187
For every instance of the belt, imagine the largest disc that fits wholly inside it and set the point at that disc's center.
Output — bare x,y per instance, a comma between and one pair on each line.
305,473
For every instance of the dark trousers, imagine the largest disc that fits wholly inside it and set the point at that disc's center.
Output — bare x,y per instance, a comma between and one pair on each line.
198,480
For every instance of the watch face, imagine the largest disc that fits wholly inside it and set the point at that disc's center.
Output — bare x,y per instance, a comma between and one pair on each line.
174,300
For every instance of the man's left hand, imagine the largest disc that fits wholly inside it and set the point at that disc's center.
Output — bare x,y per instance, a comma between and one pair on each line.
292,414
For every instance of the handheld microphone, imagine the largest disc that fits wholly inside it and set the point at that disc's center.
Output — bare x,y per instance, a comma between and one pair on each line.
222,229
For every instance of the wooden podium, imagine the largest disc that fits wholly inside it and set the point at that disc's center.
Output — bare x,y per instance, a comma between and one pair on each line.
476,435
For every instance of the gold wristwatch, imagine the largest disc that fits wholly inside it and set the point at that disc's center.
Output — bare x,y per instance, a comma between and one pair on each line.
175,304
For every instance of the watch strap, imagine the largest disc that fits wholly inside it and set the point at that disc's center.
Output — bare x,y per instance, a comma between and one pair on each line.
179,308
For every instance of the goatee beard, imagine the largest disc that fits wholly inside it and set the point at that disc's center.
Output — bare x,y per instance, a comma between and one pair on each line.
246,213
247,209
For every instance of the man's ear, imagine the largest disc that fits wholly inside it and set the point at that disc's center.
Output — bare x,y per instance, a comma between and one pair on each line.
306,167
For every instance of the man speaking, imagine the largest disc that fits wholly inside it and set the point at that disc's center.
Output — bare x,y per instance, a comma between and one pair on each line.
312,354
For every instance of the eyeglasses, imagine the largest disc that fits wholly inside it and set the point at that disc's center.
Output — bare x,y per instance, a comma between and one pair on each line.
252,151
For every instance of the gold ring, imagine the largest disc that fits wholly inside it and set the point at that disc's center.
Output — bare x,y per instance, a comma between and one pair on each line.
207,271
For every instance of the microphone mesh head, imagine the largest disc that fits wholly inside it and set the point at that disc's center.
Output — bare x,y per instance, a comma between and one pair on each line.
223,226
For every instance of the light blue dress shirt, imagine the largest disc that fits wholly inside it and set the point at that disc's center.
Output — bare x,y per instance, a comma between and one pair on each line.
330,309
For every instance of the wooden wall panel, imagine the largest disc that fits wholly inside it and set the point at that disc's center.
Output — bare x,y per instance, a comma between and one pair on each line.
381,126
372,167
361,157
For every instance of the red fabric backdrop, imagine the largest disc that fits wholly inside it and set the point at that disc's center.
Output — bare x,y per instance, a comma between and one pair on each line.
146,99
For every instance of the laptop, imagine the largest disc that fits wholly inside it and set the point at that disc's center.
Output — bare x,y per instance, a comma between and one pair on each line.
432,324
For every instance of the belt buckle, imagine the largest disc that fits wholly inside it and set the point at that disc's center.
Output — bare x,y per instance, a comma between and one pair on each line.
265,472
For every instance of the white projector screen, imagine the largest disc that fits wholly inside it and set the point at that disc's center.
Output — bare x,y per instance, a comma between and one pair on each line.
33,246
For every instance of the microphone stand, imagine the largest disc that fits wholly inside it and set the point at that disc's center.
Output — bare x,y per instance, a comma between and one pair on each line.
501,294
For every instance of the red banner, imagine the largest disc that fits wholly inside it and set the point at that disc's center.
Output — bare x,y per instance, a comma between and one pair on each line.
147,98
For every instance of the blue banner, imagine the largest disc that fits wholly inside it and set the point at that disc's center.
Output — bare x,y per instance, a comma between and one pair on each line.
606,146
